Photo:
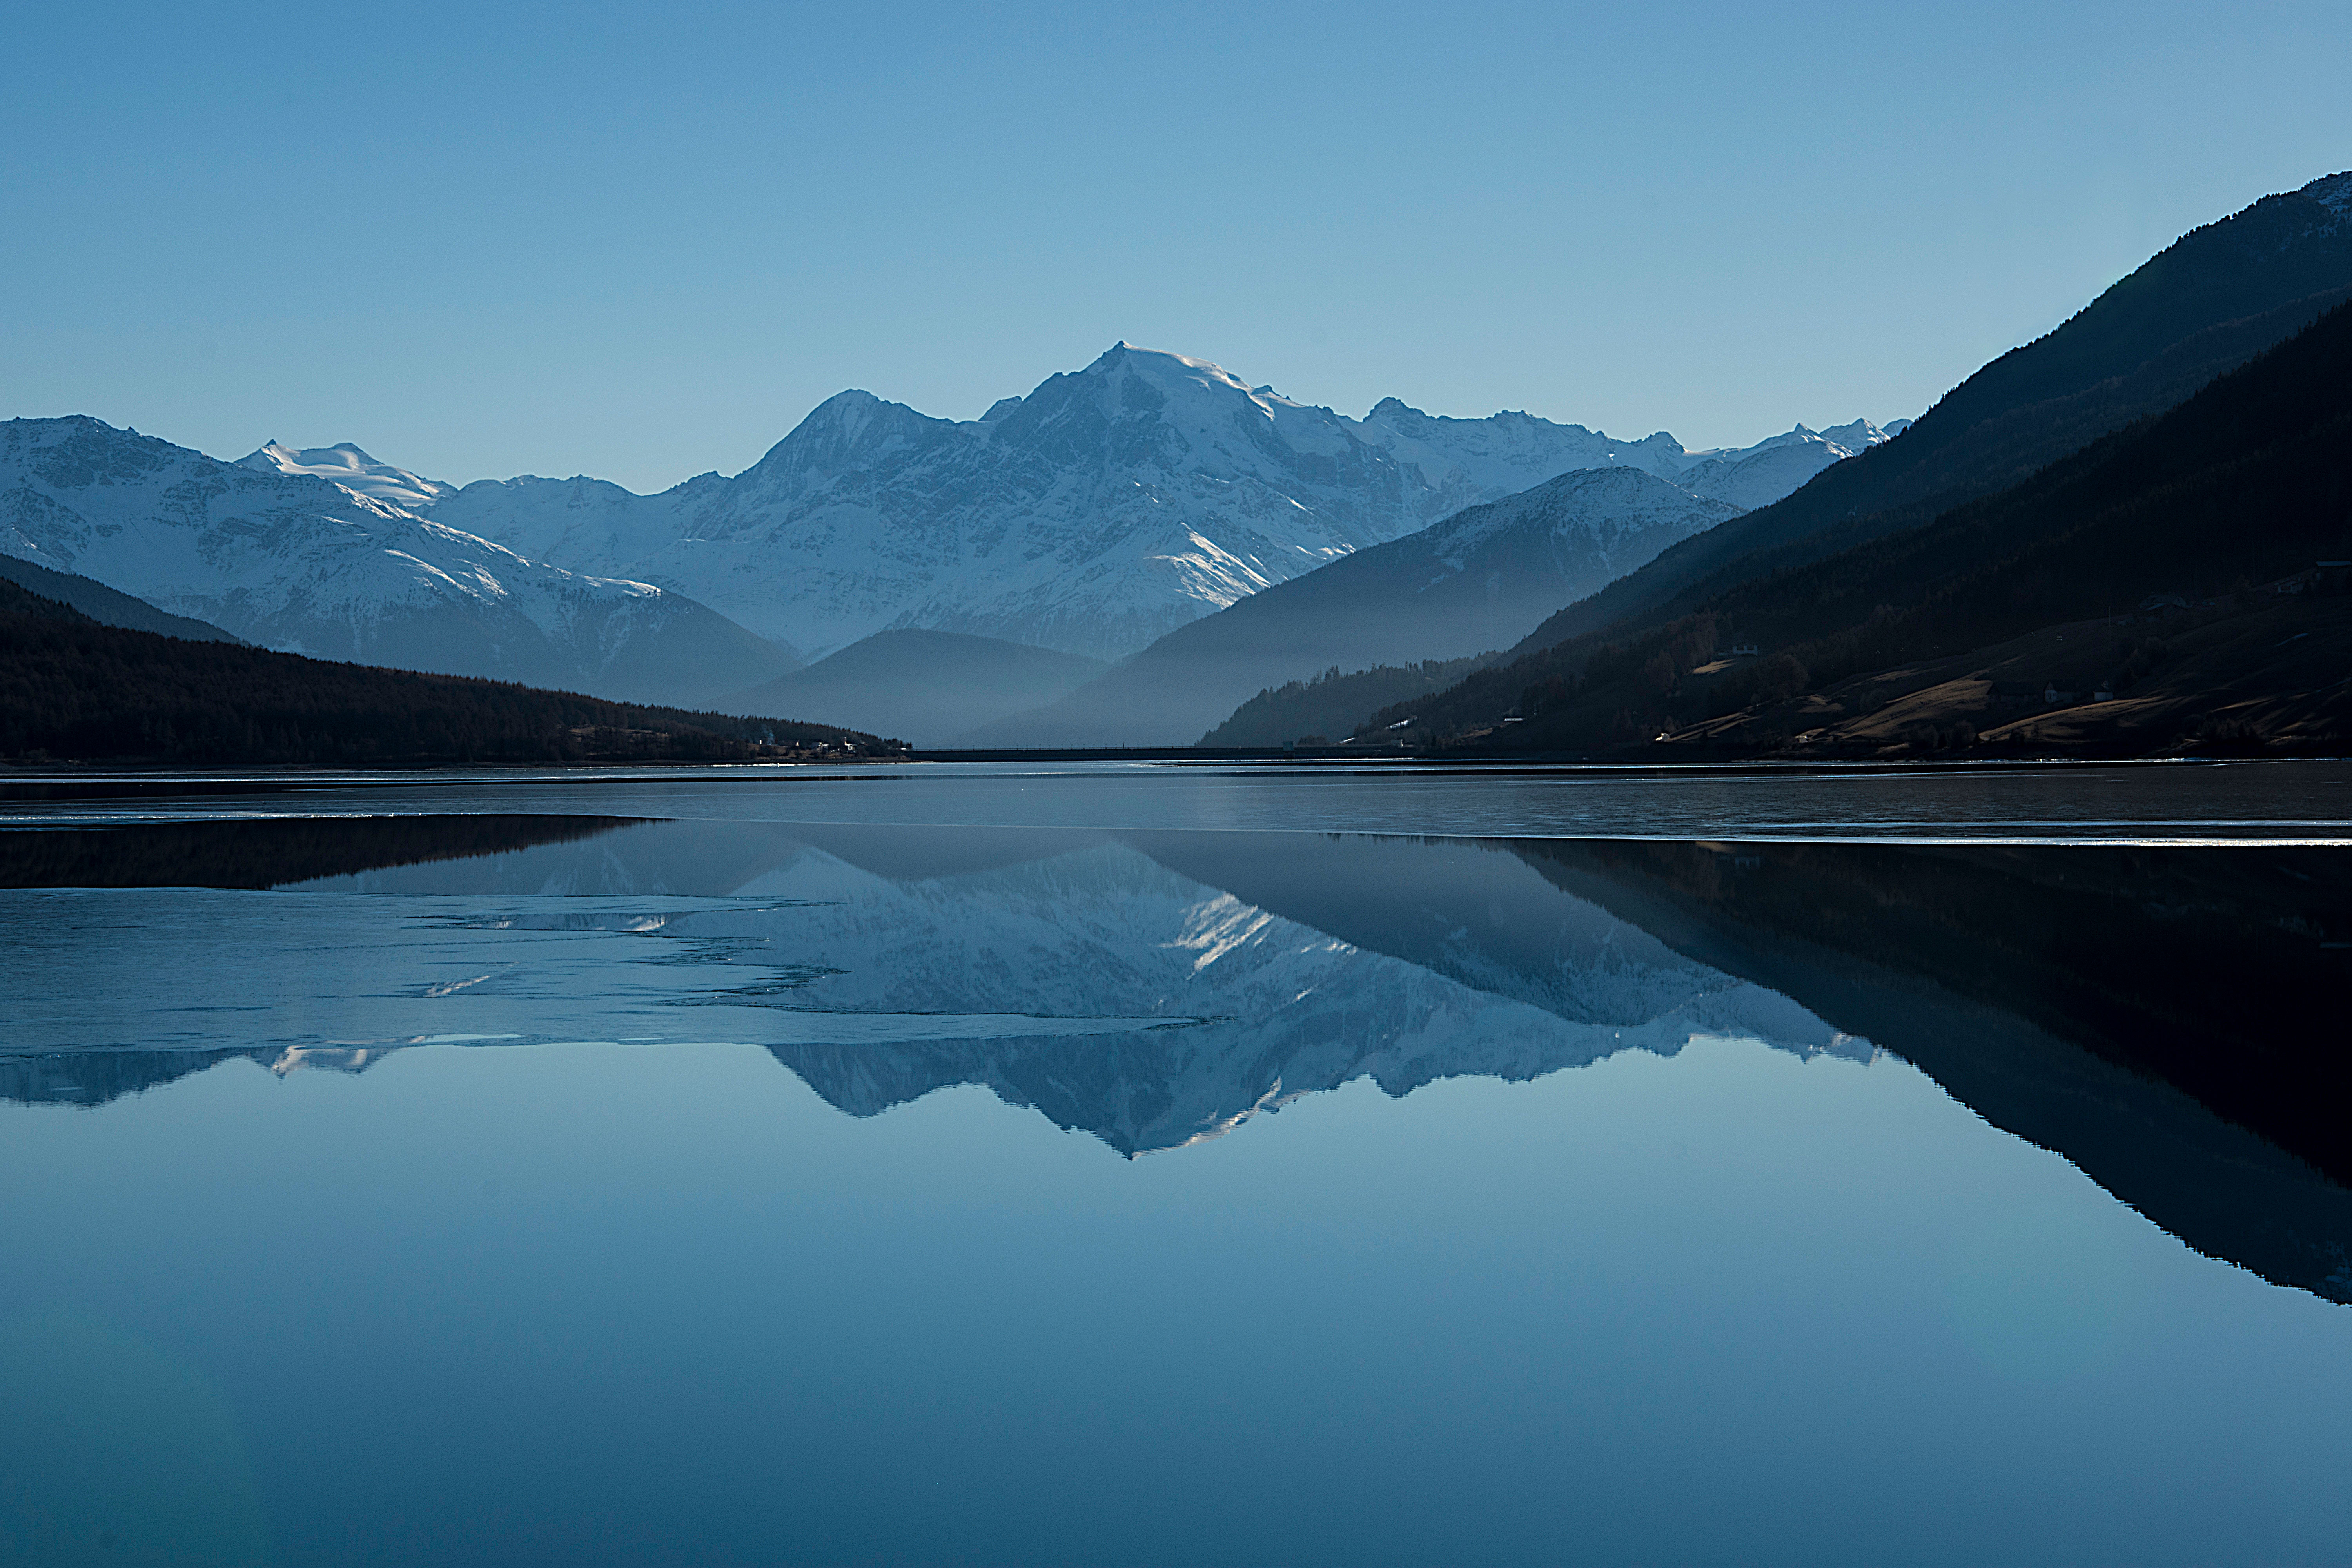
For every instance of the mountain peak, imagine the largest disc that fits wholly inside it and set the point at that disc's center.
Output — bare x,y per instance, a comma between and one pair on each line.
277,455
346,463
850,429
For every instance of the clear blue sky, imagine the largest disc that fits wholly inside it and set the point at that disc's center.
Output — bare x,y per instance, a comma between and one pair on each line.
641,242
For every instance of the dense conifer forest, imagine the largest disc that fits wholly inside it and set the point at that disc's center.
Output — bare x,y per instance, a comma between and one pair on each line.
72,689
1310,712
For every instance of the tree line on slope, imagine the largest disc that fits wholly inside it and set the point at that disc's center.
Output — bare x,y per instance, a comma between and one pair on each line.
1307,712
73,688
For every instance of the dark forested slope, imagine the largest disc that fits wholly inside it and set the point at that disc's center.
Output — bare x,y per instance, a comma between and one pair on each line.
1316,712
2208,302
73,688
108,606
2165,526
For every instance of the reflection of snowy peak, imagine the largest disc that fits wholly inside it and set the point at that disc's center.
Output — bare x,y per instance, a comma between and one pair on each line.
287,558
1107,507
1258,1008
1111,982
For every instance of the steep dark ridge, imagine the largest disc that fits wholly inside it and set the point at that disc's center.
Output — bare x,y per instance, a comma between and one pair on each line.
73,688
106,605
2211,301
920,686
2247,482
1466,585
2066,996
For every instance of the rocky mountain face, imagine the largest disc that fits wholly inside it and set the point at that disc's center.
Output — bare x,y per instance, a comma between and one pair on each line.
1104,509
1477,581
289,560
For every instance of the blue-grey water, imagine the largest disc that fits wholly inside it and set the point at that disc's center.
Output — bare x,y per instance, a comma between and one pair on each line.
1146,1166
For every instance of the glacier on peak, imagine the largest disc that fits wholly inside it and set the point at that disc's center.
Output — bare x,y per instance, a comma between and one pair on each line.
1106,508
346,464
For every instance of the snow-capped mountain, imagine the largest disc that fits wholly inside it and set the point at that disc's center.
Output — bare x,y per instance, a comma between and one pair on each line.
345,465
293,561
1751,476
1480,579
1105,508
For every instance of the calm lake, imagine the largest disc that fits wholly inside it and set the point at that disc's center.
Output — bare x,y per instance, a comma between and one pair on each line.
1120,1164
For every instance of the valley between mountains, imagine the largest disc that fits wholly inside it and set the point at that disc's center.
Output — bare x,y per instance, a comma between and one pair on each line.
1150,552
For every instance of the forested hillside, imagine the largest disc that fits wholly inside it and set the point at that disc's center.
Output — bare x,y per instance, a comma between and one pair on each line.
2206,304
106,605
71,689
2162,535
1326,709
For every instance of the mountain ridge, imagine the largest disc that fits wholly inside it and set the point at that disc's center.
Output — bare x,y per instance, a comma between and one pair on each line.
2208,302
1098,512
1466,585
301,563
108,606
2178,555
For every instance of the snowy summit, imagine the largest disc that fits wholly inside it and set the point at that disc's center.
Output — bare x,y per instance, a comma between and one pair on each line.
1104,509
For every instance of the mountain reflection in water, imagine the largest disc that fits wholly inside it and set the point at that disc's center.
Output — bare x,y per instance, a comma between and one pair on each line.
2168,1020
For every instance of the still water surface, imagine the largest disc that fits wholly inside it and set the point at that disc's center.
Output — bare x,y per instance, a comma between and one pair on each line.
1158,1166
